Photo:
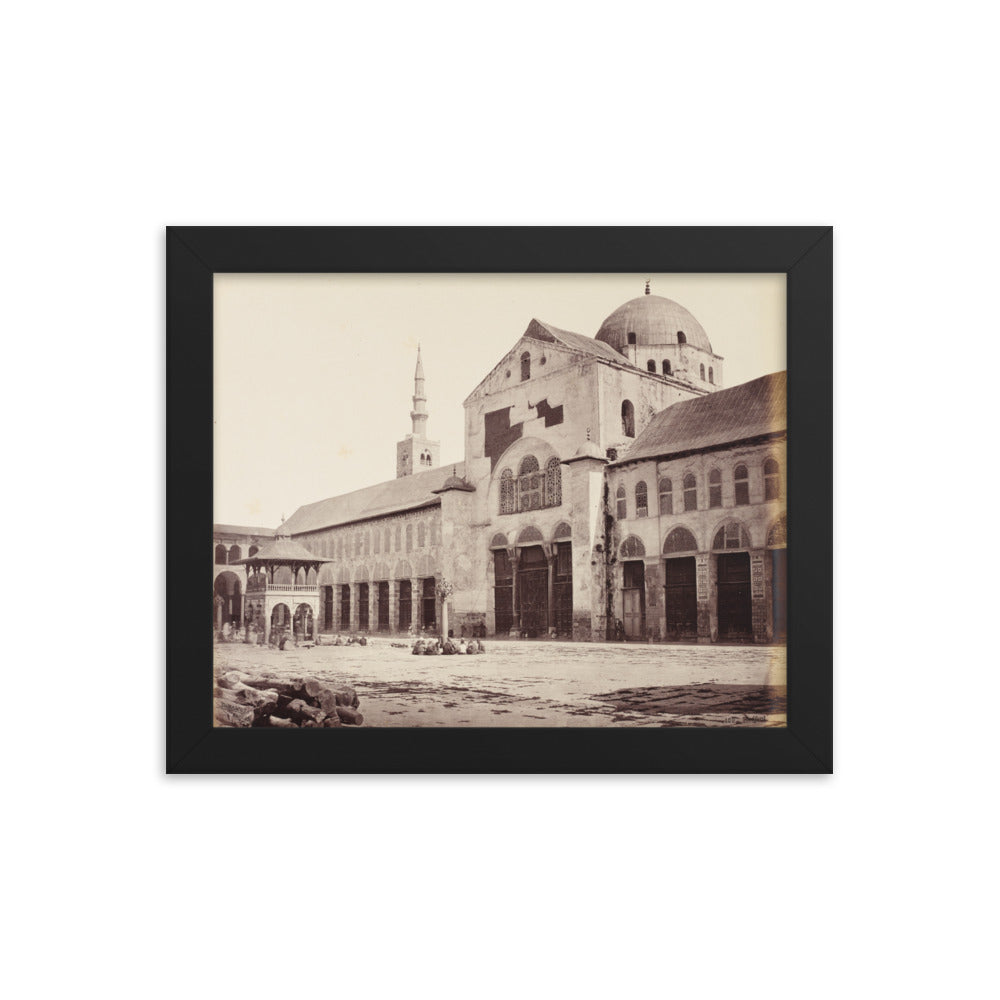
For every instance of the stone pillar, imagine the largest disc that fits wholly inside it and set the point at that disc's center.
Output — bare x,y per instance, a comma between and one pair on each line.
703,566
417,604
655,600
393,606
515,562
550,562
758,596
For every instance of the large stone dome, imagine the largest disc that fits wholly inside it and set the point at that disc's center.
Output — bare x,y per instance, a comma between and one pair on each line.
655,321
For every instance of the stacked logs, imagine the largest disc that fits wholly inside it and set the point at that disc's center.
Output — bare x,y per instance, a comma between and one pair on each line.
283,703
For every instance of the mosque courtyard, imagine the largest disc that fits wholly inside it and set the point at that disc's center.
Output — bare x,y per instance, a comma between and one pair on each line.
526,683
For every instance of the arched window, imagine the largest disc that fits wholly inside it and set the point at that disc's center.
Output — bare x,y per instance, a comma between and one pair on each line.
702,367
641,500
220,555
731,536
357,544
507,505
409,538
525,366
741,480
666,496
651,366
666,367
253,551
378,542
680,540
553,483
620,511
681,339
421,535
715,488
690,492
632,548
628,419
529,484
711,375
234,553
398,538
772,480
631,337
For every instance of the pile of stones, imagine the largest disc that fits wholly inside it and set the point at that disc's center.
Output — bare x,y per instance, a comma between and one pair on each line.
242,700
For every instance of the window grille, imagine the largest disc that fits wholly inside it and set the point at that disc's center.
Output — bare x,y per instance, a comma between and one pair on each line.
741,480
715,488
690,493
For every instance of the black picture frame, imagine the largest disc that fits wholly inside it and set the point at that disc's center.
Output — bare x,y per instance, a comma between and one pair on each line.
803,253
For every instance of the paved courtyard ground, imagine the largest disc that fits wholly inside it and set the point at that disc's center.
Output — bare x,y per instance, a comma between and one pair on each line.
524,683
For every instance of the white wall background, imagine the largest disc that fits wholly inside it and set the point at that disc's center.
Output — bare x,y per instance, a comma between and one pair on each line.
876,117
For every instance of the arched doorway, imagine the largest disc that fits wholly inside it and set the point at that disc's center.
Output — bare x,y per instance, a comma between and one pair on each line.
281,617
303,621
633,588
228,594
735,607
680,598
533,591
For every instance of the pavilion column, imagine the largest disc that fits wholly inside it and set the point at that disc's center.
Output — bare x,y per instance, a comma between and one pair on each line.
393,605
355,606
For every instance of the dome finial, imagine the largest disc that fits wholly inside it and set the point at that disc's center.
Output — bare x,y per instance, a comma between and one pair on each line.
647,286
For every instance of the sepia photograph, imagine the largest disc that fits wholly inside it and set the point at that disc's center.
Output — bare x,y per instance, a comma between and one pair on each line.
500,500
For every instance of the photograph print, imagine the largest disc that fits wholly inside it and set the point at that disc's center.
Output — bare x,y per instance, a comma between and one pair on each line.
500,500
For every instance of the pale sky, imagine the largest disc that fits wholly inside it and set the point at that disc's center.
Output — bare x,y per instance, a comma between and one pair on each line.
314,373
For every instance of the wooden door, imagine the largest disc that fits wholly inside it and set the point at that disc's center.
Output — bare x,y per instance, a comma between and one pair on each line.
533,592
681,599
735,612
634,600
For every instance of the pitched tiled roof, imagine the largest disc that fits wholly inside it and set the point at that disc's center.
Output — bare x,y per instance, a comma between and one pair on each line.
283,550
537,330
390,497
746,411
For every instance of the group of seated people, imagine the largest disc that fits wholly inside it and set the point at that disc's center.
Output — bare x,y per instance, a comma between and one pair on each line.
351,640
449,647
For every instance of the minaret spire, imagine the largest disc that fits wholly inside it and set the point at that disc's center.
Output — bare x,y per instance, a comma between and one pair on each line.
415,453
419,412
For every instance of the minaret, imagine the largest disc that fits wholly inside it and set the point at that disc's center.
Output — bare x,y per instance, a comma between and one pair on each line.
419,412
415,453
